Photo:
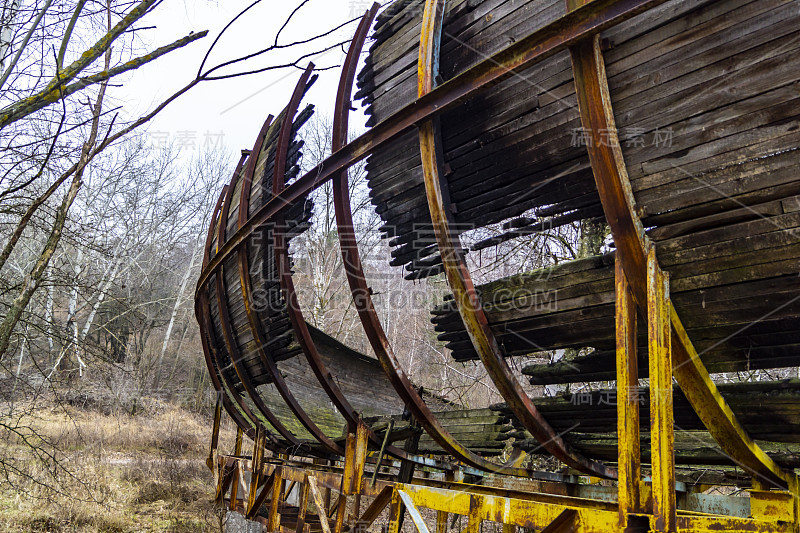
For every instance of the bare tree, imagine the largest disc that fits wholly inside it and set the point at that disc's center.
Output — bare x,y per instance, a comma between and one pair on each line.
105,225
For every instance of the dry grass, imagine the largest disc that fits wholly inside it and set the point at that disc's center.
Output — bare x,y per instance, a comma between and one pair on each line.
114,474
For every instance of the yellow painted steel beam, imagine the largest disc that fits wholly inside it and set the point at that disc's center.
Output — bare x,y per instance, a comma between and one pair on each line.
263,496
773,511
629,464
662,416
274,520
539,515
256,471
211,461
237,448
375,508
302,506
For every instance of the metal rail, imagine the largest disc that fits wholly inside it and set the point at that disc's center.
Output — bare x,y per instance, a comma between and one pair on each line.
246,283
203,316
281,252
458,276
362,300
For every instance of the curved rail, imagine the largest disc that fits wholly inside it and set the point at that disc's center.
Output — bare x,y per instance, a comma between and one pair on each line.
204,338
458,275
224,312
284,269
362,300
321,372
569,29
244,280
203,314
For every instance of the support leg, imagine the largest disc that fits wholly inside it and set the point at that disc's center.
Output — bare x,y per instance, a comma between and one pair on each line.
629,457
662,444
277,495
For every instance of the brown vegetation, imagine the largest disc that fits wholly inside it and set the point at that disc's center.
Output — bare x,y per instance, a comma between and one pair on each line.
113,473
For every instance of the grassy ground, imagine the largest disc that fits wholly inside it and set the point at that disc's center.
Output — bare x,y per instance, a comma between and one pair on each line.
115,474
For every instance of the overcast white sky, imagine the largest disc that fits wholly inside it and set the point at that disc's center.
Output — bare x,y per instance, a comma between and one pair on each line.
232,111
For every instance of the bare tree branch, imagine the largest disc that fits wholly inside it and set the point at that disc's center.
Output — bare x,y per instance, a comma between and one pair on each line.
46,97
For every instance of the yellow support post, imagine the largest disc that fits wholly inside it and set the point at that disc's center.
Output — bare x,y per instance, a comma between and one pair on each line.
662,424
255,471
302,506
237,476
237,452
441,521
629,456
396,509
277,495
475,517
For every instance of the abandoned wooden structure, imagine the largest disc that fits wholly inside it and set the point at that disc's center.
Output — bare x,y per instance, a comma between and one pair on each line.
675,122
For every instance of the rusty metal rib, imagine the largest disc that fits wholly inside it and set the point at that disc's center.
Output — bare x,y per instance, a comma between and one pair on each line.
458,275
358,284
613,185
362,300
341,199
244,278
339,137
550,39
284,269
224,314
203,315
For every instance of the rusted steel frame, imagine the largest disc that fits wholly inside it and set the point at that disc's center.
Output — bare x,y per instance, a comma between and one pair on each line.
629,465
238,476
358,284
362,299
563,523
342,108
245,281
303,506
548,40
546,517
285,273
553,493
458,275
662,417
224,480
203,316
376,507
224,313
613,185
255,471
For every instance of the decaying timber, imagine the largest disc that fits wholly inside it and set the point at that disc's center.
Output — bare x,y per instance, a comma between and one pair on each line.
676,123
